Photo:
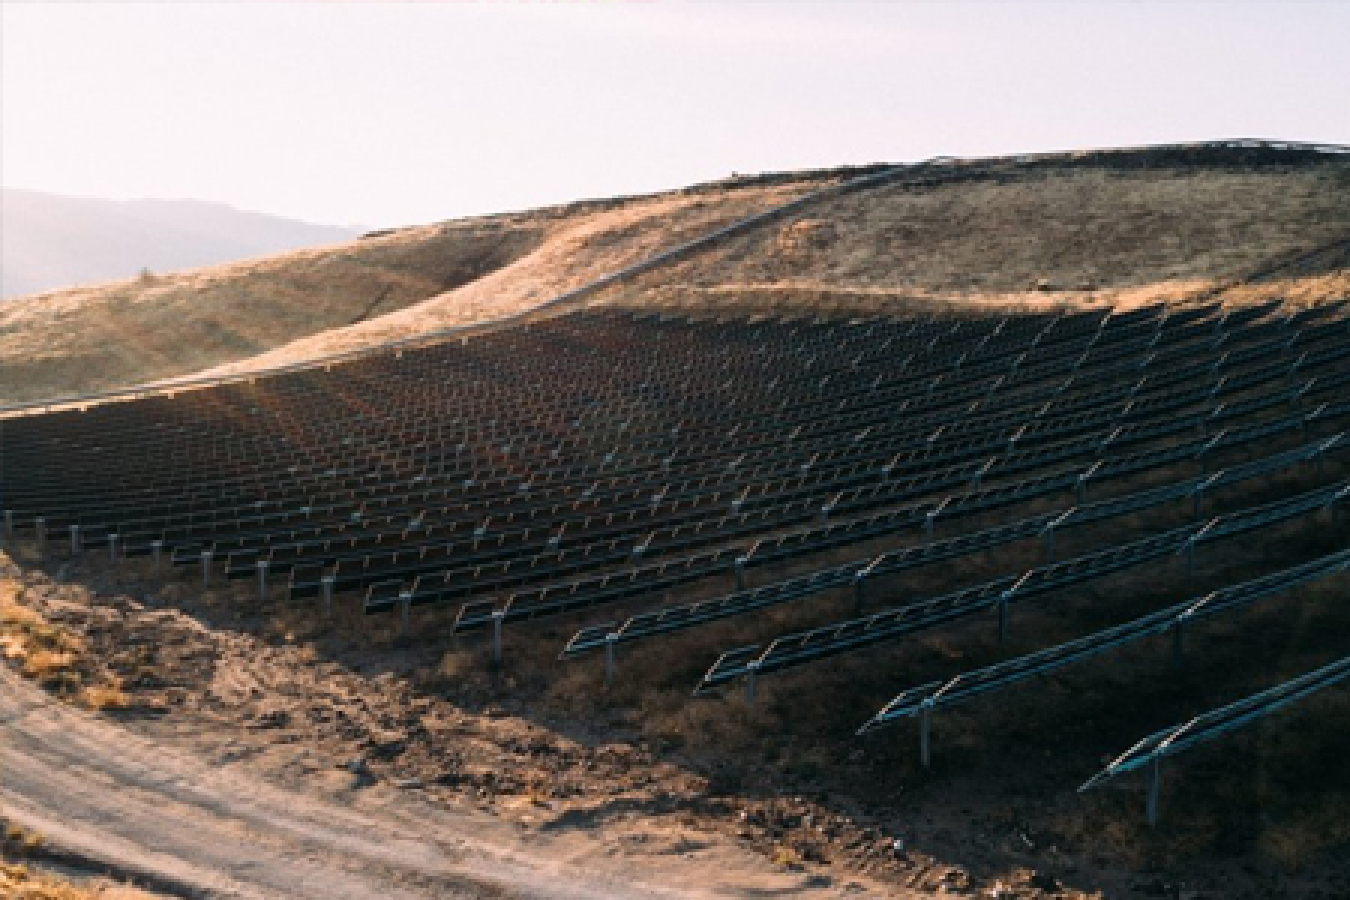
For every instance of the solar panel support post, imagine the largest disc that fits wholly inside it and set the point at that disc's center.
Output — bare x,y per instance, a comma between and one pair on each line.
859,593
929,519
9,523
1154,789
1080,488
751,670
75,546
263,565
206,568
1049,542
610,640
1003,613
326,583
157,552
738,569
404,613
498,617
112,546
925,728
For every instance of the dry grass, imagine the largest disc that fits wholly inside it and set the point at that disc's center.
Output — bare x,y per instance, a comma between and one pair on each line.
297,305
1051,237
53,656
21,881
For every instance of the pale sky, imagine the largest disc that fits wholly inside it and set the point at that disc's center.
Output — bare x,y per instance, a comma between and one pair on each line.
394,113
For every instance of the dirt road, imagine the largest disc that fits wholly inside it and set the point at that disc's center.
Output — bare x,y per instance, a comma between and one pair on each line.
94,788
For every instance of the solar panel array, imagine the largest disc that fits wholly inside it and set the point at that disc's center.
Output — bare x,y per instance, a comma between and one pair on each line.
607,457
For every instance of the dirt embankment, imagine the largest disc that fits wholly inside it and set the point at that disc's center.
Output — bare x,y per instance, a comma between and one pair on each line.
180,789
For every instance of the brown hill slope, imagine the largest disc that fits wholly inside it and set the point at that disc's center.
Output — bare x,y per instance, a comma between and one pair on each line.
140,330
1062,234
1080,231
1119,228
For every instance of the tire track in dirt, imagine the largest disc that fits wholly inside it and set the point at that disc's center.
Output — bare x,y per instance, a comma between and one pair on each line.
95,789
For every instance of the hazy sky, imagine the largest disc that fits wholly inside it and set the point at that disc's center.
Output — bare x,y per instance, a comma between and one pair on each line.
397,112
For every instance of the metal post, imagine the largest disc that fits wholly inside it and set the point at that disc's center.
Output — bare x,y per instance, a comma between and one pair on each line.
925,715
9,523
498,616
739,567
263,566
1003,617
928,521
404,612
112,546
751,670
610,640
1154,789
157,551
326,583
206,567
1050,544
75,546
1190,559
859,582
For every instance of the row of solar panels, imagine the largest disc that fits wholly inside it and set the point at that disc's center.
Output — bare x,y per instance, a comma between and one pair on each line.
640,509
792,450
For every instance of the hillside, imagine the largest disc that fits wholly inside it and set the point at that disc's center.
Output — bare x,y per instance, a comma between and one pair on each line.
1063,234
53,241
1099,229
175,324
894,543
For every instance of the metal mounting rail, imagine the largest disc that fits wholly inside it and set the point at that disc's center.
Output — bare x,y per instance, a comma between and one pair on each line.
926,699
843,636
677,618
1152,750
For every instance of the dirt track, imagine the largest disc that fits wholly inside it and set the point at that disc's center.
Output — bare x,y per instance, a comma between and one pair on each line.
96,790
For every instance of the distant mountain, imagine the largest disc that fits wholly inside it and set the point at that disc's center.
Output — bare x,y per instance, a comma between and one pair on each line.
50,241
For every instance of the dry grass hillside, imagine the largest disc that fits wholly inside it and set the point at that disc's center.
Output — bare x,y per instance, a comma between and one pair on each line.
1071,231
463,271
1058,235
